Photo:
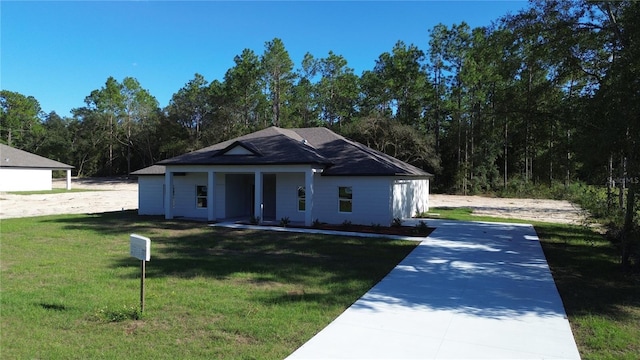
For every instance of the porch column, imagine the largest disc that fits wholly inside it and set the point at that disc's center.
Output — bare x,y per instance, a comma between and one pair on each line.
308,201
211,191
68,179
258,196
168,194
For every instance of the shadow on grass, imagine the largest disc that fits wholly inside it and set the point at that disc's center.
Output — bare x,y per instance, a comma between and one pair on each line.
53,307
184,249
587,272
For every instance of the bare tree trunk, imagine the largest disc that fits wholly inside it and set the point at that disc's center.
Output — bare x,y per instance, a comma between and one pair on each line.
506,133
610,183
568,170
623,182
111,137
628,233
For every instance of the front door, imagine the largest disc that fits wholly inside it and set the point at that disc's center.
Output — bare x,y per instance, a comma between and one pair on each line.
269,196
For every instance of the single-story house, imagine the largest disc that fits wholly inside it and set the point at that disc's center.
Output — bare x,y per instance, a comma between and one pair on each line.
23,171
305,175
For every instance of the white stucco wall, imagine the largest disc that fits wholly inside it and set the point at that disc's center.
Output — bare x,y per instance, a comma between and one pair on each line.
371,201
184,195
287,196
25,179
410,196
375,199
151,195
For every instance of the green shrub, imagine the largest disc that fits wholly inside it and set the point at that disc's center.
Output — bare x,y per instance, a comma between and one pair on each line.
284,222
422,228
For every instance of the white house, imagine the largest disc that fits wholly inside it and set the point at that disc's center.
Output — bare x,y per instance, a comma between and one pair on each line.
23,171
303,174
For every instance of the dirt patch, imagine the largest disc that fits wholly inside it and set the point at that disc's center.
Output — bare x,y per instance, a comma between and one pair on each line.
556,211
102,195
117,194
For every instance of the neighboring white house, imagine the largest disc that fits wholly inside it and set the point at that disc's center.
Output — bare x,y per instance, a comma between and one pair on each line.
23,171
302,174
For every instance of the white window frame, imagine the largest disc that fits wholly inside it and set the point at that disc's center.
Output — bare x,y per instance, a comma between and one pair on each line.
345,199
200,197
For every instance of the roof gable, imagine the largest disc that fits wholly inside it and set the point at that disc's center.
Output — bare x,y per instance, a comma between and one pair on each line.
15,158
238,148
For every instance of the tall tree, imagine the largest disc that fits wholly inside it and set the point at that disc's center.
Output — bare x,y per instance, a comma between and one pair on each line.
57,139
20,120
243,90
278,76
337,90
399,84
107,102
122,106
190,107
139,106
304,96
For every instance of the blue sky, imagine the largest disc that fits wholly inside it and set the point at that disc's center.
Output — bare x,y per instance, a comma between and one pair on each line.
59,52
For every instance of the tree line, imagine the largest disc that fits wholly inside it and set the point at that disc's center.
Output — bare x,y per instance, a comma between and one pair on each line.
548,95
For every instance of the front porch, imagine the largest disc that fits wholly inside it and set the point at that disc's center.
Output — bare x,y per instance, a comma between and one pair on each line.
262,194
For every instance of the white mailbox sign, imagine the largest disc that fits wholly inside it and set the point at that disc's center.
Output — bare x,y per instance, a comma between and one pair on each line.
140,247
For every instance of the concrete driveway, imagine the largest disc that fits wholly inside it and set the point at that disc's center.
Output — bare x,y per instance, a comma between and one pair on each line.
469,291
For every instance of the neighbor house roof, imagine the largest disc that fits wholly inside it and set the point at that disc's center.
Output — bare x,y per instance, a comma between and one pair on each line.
14,158
338,155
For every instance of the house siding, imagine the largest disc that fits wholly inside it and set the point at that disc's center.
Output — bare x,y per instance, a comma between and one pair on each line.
13,179
287,196
370,200
375,199
184,195
151,195
410,196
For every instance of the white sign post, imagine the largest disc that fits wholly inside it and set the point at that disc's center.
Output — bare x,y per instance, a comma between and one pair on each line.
140,248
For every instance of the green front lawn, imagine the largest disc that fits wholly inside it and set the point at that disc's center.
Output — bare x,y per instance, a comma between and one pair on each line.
601,301
71,290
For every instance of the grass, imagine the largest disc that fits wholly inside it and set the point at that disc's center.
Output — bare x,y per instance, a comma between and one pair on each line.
601,301
71,290
464,214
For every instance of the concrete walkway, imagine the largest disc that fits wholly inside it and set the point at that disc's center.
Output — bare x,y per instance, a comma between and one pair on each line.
468,291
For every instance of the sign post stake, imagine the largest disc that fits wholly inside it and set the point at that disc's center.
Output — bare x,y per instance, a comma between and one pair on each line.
141,249
142,276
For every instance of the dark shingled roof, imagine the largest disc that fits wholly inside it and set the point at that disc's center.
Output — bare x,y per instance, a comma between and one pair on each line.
15,158
151,170
316,146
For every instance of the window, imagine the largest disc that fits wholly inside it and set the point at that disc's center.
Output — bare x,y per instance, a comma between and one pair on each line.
345,199
201,197
301,198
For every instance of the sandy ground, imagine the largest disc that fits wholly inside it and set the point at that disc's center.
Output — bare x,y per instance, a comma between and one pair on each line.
102,196
106,195
555,211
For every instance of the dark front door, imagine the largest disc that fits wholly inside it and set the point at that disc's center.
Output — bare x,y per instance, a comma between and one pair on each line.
269,196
